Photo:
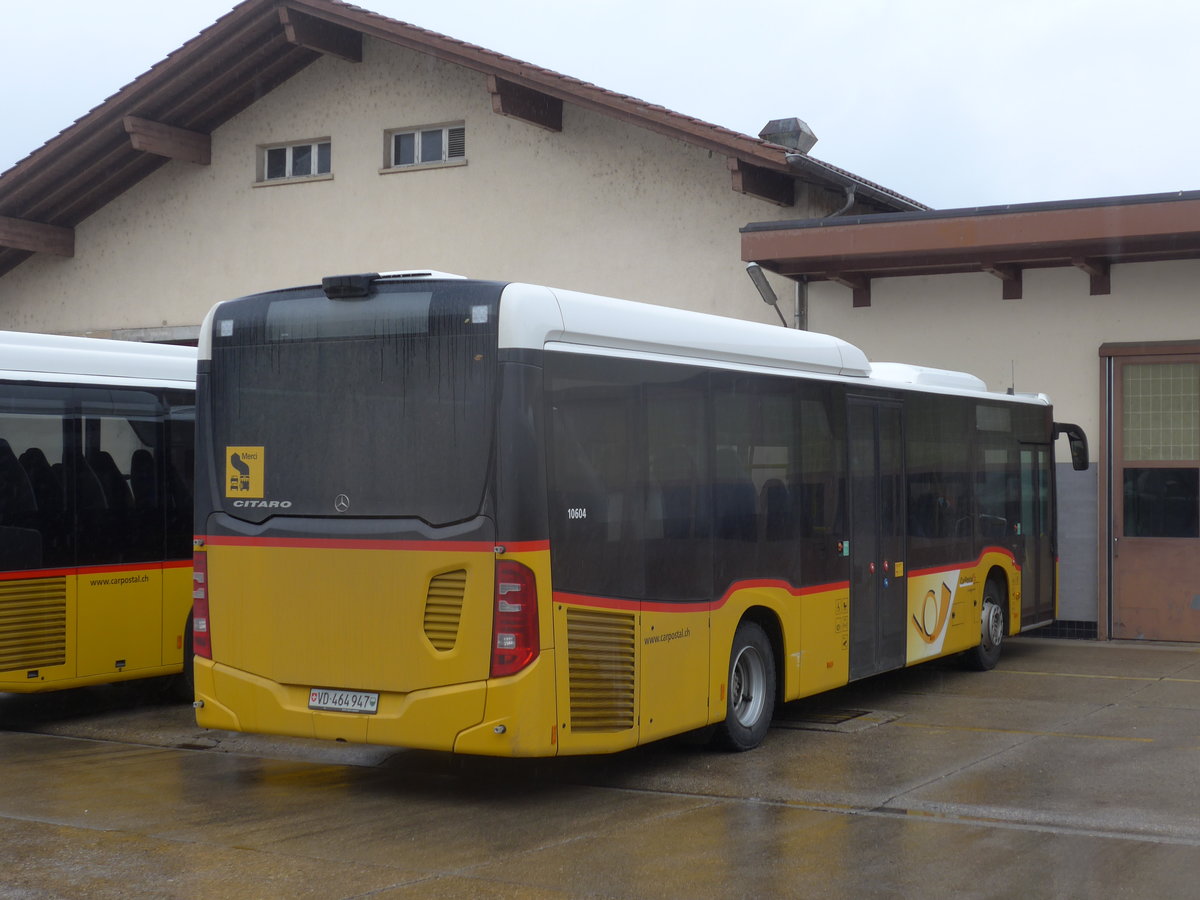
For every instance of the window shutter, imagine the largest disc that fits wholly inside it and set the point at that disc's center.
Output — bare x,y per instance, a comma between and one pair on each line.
456,147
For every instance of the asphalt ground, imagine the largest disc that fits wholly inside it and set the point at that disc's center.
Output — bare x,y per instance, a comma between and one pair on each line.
1072,770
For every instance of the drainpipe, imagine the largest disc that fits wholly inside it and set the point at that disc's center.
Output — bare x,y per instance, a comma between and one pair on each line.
849,189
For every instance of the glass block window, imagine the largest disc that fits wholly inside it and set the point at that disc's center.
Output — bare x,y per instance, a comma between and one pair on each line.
1161,411
301,160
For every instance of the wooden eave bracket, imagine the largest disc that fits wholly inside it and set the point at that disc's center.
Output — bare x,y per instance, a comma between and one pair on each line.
36,237
774,187
520,102
859,284
316,34
169,141
1011,278
1098,271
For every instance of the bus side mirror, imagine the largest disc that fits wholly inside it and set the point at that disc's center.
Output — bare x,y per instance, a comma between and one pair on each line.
1077,441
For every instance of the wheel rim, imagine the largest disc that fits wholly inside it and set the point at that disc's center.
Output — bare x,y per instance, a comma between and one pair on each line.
993,624
747,686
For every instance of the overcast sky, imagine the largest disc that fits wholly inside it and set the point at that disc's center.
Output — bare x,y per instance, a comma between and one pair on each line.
956,103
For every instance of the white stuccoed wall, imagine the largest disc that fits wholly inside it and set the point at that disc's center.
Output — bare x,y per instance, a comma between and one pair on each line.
603,207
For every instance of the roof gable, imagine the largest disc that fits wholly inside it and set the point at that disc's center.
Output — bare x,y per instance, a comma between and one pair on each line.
170,110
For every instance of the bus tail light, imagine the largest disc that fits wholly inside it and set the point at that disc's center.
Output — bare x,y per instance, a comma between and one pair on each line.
201,642
515,641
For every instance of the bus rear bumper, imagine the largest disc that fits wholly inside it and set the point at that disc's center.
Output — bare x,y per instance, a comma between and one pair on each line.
521,718
429,719
513,716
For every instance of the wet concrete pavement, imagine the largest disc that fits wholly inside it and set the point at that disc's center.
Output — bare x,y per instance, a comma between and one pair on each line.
1073,770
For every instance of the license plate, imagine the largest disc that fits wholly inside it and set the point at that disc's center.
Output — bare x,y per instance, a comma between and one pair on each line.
344,701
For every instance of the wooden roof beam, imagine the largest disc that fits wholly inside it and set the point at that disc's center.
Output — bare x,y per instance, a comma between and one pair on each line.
762,183
36,237
859,284
316,34
1098,271
169,141
524,103
1010,275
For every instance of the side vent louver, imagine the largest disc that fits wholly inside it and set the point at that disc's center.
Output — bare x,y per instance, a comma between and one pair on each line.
600,658
33,623
456,143
443,608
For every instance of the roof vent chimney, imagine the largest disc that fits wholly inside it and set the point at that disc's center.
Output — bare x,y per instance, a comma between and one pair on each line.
791,133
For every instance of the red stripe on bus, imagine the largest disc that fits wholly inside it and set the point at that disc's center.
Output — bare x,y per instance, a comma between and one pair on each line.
915,573
686,606
525,546
96,570
37,573
368,544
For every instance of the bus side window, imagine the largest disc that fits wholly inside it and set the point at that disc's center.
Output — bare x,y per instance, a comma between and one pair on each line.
34,502
938,458
591,484
674,463
733,498
775,507
20,539
176,494
142,480
118,521
818,492
46,482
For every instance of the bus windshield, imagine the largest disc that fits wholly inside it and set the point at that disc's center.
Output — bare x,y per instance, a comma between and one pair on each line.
380,406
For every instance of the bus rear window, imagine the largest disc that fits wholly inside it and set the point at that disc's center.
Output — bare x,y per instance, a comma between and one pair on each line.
381,407
310,318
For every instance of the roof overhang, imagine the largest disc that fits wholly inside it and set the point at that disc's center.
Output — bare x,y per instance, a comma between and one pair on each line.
170,112
1002,240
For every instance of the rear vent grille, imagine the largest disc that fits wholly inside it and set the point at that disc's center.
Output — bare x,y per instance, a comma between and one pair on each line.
443,608
600,657
33,623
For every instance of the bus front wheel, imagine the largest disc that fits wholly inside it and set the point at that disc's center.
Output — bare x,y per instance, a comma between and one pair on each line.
987,654
750,697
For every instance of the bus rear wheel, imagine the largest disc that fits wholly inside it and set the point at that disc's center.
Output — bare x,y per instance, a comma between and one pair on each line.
992,630
750,698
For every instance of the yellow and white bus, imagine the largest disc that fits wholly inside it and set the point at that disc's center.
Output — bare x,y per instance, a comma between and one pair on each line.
505,519
96,462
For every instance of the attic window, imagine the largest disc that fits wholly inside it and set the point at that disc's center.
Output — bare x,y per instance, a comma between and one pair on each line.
425,147
289,162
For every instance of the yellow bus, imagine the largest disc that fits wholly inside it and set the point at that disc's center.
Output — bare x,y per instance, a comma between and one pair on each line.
505,519
96,461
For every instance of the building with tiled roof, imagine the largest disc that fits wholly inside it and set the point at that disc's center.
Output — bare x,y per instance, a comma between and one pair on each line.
293,140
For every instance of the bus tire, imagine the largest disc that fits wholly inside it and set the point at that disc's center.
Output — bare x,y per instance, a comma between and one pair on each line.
750,697
991,630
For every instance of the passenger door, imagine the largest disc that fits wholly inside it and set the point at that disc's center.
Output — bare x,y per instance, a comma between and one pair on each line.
1036,535
877,571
